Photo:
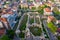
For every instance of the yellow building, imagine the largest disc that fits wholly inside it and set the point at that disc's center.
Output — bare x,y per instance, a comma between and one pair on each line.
24,5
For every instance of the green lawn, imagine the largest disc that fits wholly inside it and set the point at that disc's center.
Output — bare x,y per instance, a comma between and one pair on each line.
5,37
36,31
41,11
31,20
22,35
52,27
33,8
23,23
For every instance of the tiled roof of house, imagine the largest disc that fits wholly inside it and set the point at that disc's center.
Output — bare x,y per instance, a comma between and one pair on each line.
2,31
3,19
51,17
47,10
1,25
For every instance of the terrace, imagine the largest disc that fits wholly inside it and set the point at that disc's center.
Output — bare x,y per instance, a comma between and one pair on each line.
36,31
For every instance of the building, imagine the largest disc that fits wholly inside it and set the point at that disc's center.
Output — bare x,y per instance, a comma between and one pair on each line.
2,29
4,20
10,19
31,5
57,0
57,21
23,1
24,5
49,4
37,1
58,30
50,18
47,11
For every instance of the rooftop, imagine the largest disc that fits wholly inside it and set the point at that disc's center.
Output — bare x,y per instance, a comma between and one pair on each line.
3,19
47,10
51,17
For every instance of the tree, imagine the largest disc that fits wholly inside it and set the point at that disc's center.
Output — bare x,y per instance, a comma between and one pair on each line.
19,7
22,35
56,11
40,10
5,37
33,8
10,33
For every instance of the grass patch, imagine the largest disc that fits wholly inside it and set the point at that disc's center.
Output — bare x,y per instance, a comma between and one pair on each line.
23,23
5,37
33,8
31,20
52,27
36,31
22,35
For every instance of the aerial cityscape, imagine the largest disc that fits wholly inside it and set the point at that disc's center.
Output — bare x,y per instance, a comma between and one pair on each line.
29,19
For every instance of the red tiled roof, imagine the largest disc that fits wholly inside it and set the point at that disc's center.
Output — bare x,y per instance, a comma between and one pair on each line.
58,30
10,12
3,19
2,31
48,10
51,17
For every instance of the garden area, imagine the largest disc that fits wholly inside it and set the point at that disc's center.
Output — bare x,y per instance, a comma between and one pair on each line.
5,37
31,20
36,31
40,9
56,11
22,35
52,27
8,36
33,8
23,23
